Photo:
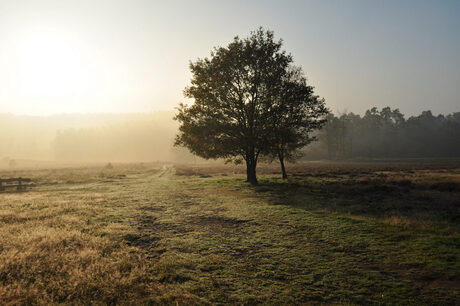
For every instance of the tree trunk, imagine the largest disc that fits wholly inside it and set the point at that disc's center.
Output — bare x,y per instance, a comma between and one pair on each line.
283,169
251,165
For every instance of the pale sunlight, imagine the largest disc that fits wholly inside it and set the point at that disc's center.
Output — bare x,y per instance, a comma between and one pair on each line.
50,66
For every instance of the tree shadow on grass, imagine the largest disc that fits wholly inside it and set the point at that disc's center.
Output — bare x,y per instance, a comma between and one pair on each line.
370,198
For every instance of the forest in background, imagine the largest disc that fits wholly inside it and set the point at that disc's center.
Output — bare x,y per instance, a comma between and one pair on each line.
384,133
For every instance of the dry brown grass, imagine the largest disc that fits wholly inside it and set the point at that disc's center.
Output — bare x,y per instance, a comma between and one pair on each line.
139,234
75,175
63,242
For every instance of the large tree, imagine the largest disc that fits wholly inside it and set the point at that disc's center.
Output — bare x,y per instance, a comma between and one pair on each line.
236,92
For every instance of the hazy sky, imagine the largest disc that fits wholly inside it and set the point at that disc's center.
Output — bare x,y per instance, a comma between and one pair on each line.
132,56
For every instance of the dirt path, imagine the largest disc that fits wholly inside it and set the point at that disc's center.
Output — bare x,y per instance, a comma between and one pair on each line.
152,236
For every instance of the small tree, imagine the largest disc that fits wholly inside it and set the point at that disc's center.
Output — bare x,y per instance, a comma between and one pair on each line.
234,91
296,114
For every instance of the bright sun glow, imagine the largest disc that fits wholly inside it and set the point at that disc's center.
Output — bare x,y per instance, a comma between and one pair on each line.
49,66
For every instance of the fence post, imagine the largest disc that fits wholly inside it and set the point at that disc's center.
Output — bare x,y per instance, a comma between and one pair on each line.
1,185
20,183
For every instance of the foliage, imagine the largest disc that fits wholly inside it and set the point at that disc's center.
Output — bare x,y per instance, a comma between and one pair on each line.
386,133
248,100
296,114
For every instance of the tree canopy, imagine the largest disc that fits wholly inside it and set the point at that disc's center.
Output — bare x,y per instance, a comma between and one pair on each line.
249,100
296,114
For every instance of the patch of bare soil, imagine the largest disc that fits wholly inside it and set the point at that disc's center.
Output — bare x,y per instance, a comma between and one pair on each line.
148,225
150,232
217,221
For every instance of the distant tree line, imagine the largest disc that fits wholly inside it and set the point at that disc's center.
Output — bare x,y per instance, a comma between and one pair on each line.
386,133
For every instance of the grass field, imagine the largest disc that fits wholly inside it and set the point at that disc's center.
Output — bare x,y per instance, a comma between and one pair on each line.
334,233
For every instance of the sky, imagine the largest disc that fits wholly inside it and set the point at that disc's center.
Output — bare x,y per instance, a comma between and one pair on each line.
133,56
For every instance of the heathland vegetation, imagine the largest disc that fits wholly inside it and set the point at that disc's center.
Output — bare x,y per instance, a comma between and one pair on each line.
334,233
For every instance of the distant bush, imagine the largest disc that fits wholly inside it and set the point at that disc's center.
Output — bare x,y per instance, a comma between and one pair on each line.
403,183
445,186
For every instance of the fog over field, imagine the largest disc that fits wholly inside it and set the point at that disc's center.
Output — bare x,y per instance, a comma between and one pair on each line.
211,152
90,138
147,137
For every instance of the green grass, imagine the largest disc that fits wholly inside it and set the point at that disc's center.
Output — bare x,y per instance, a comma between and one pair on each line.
332,237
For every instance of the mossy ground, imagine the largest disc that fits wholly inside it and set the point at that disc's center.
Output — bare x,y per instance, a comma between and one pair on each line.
349,234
